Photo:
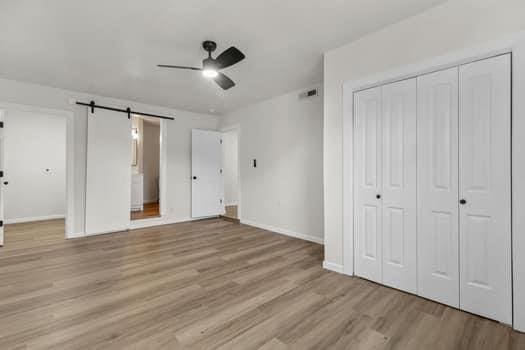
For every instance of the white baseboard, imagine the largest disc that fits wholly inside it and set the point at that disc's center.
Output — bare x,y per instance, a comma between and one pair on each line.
332,266
32,219
283,231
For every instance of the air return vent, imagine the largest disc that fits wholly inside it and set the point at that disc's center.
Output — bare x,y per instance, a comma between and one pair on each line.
309,94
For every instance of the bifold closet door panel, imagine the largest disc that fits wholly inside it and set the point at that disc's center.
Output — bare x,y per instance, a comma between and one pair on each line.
108,173
368,180
485,175
437,193
399,185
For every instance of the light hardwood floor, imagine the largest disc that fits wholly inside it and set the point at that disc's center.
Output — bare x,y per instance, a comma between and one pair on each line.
206,285
151,210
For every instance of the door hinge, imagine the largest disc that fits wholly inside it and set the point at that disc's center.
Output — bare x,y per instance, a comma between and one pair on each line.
1,223
221,141
220,171
1,125
1,173
220,200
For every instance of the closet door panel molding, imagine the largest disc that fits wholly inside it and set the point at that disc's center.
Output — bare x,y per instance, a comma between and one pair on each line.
485,175
399,185
438,236
368,180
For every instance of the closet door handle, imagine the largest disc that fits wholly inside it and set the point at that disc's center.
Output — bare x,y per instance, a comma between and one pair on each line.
462,201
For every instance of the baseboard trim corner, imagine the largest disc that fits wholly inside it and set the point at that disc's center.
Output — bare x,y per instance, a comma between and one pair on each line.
283,231
333,267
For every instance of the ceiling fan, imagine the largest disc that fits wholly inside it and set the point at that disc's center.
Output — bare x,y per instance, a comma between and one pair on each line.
211,66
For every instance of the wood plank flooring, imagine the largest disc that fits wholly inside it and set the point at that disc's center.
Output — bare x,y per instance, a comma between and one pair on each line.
209,285
151,210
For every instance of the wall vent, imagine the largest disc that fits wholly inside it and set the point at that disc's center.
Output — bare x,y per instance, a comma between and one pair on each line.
309,94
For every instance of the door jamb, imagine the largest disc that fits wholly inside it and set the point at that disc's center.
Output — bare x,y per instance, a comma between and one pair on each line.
237,129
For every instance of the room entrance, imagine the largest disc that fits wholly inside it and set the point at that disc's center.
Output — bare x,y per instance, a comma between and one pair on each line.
145,168
33,174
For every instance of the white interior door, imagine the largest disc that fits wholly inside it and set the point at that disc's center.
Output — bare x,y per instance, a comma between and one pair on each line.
207,189
368,181
108,182
2,167
399,185
485,213
438,240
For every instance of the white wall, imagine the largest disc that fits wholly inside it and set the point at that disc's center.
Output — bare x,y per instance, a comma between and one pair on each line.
150,160
230,167
34,143
452,26
284,192
178,148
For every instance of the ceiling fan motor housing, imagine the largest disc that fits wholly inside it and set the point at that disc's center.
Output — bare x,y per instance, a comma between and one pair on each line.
209,63
209,46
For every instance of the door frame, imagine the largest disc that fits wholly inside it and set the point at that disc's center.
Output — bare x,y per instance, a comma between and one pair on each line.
163,166
237,128
514,45
70,155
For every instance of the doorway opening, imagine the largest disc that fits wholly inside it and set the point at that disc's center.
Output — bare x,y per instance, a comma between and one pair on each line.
33,185
230,161
145,168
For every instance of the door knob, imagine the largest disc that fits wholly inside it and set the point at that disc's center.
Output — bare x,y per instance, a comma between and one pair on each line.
378,196
6,183
195,178
462,201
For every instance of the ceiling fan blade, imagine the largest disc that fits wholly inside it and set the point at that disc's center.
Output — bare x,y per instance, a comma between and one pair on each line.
223,81
229,58
178,67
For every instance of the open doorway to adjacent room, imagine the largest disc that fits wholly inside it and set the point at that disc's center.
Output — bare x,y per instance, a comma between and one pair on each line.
145,168
33,175
230,161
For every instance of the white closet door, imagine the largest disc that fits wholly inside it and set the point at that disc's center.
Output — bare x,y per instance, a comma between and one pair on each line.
368,208
399,185
438,240
108,182
485,218
207,187
2,168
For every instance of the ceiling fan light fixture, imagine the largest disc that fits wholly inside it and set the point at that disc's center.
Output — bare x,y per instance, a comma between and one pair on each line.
209,73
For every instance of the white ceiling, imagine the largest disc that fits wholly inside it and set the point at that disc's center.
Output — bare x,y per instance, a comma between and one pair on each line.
112,47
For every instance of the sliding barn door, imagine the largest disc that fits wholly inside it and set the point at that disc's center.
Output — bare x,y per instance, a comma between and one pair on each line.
438,240
207,187
399,185
368,182
485,173
108,182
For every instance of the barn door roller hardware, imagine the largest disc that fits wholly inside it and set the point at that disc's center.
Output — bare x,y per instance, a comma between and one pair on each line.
128,110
